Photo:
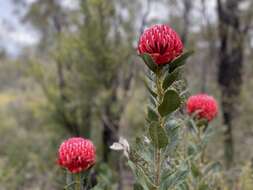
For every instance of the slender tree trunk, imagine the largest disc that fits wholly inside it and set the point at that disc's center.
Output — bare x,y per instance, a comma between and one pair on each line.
229,69
71,126
145,16
186,20
110,125
109,137
209,36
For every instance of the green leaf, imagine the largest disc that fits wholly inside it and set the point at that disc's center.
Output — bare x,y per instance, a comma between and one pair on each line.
152,115
174,179
152,101
173,124
153,94
171,77
179,61
192,149
158,135
195,171
139,175
203,186
171,102
167,173
137,186
149,62
172,129
212,167
97,187
183,186
202,122
150,76
193,126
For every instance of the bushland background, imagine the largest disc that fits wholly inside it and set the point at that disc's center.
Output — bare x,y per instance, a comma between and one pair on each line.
70,68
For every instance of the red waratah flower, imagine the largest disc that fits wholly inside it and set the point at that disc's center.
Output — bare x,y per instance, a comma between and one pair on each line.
203,105
76,154
161,42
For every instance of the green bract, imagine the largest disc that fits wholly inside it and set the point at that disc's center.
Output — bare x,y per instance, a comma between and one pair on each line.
149,62
179,61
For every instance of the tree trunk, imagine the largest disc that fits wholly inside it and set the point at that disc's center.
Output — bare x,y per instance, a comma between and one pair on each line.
71,126
229,69
186,20
208,35
110,125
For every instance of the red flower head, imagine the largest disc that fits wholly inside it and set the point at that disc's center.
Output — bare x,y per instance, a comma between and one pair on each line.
161,42
203,105
76,154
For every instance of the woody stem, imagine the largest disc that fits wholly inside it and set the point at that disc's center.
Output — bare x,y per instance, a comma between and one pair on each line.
78,181
157,149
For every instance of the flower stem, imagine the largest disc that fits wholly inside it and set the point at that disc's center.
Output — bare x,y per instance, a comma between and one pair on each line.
199,141
157,151
158,167
78,181
159,87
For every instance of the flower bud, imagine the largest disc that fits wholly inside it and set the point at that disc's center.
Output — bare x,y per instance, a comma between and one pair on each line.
161,42
77,154
203,105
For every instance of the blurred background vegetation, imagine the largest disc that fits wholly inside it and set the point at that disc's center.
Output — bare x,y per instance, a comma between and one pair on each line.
70,68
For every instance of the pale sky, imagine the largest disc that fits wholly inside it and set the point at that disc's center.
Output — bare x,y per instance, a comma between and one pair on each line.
15,35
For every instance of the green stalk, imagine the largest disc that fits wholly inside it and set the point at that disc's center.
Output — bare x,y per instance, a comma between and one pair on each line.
160,94
158,167
202,156
78,181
